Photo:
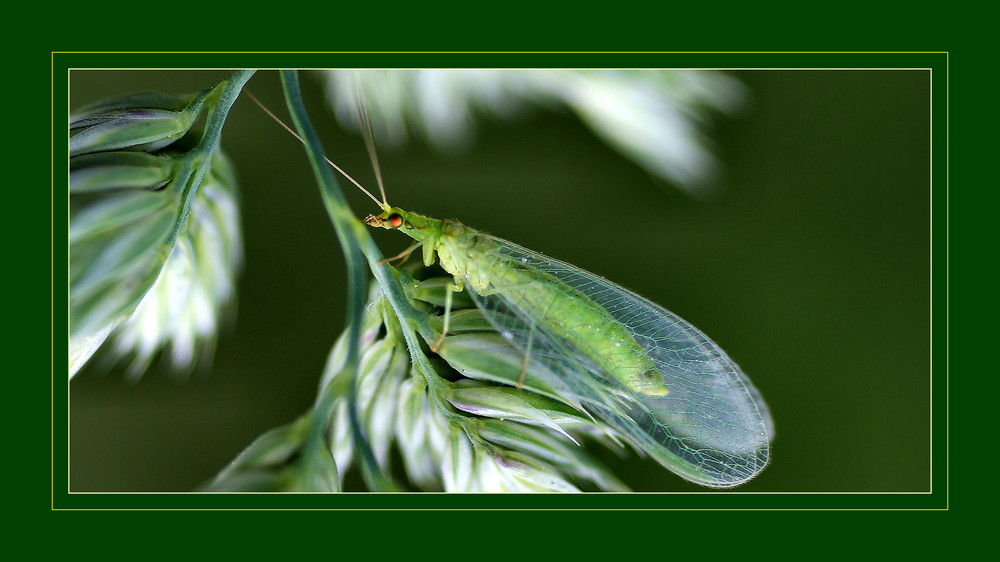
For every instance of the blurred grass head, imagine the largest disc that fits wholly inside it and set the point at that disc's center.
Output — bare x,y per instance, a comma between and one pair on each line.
155,242
659,119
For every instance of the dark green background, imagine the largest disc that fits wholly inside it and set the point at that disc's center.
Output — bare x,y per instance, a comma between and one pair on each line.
812,269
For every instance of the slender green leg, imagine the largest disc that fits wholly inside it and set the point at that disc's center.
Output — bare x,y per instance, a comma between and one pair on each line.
402,256
527,356
448,290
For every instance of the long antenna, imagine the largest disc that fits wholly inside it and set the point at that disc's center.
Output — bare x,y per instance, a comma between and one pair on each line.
369,136
381,204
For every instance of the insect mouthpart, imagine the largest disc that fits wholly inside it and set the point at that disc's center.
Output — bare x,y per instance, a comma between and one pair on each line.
372,220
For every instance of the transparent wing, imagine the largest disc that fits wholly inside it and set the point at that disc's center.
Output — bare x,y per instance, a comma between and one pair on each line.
712,427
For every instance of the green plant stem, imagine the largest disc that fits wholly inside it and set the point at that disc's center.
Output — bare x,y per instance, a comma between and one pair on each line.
198,159
357,245
345,225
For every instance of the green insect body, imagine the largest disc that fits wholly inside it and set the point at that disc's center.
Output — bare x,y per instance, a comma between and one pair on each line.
647,373
475,260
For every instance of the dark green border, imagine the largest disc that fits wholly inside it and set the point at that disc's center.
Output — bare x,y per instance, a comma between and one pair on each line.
937,500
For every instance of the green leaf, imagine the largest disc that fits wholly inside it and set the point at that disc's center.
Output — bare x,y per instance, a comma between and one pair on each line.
112,171
544,445
511,404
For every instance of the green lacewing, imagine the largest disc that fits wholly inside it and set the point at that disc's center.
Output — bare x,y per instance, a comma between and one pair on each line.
654,378
643,370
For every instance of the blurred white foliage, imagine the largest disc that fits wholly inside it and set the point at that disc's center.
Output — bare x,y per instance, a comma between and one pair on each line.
183,306
657,118
198,280
138,278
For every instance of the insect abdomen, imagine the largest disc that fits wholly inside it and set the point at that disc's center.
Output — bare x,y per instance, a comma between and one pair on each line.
548,302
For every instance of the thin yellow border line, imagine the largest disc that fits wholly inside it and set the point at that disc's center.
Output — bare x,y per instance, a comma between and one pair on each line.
947,278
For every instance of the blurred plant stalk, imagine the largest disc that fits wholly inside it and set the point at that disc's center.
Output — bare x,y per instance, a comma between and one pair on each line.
155,239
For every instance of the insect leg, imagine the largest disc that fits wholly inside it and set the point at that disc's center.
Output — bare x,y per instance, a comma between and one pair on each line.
448,290
402,256
527,356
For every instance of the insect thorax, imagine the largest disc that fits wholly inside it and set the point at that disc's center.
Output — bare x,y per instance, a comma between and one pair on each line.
467,256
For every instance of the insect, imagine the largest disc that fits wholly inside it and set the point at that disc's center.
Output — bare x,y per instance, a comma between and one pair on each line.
645,372
640,368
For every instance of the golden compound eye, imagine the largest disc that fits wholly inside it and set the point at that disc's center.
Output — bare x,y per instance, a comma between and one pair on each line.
395,220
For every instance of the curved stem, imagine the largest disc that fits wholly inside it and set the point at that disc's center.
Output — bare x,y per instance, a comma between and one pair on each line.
349,236
357,245
199,159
